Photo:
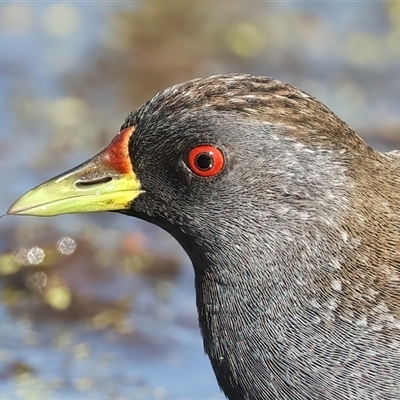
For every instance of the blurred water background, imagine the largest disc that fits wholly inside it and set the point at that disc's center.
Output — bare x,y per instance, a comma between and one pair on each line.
102,306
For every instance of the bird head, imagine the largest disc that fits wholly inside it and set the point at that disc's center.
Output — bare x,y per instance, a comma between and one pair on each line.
223,154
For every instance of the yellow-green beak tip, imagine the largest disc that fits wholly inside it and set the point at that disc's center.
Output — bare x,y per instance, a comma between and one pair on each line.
104,183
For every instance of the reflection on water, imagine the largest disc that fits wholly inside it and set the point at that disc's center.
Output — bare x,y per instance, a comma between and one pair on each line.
66,245
102,306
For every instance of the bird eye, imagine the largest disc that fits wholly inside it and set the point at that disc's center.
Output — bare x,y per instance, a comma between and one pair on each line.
205,160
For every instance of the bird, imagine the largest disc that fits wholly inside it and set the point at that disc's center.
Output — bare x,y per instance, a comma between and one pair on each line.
291,222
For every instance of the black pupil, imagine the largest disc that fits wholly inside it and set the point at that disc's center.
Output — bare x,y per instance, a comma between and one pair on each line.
204,161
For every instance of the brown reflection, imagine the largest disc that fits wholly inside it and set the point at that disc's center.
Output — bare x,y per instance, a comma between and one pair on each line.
46,279
155,44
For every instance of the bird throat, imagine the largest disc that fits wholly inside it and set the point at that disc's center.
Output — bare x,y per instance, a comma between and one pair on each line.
273,330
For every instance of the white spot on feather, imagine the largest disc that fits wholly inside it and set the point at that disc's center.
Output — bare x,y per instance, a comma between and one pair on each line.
336,285
332,304
362,322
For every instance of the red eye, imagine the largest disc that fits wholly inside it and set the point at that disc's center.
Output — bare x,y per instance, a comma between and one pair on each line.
205,160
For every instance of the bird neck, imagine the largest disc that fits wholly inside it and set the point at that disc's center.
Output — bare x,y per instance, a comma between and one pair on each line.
276,308
253,312
248,290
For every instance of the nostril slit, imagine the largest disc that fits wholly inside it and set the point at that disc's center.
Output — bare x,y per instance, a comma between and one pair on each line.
93,182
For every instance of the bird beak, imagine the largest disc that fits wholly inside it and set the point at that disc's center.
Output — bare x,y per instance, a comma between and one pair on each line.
106,182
